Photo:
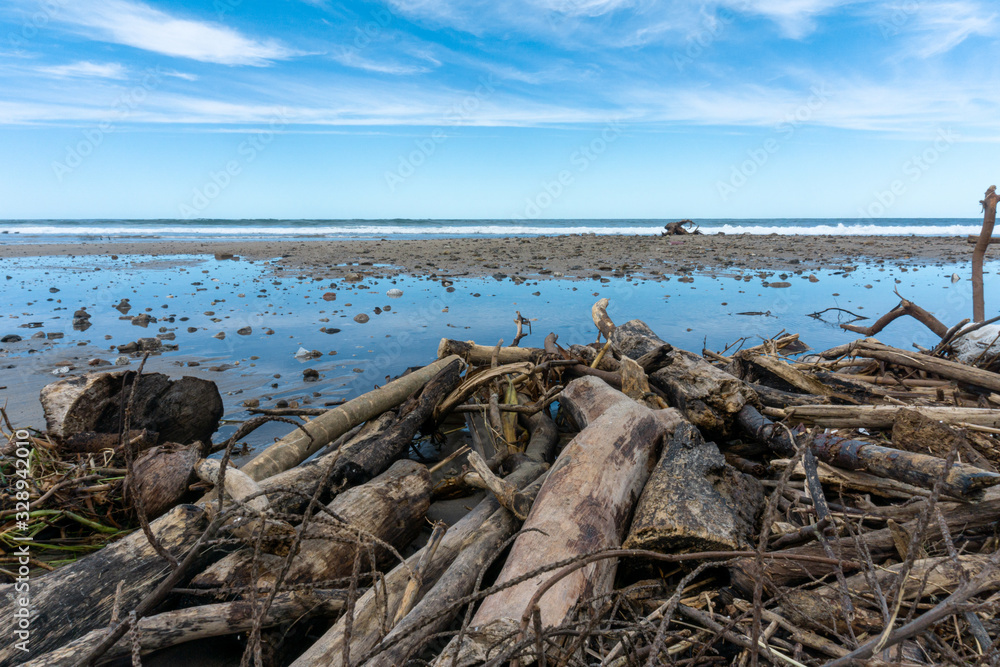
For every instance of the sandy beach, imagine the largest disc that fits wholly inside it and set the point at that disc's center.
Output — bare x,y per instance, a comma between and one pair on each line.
571,255
238,313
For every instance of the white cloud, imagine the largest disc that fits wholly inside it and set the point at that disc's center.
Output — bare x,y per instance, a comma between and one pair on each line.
796,18
141,26
945,25
352,58
85,69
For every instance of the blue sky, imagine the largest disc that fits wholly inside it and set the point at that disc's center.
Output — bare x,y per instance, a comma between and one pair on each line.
526,109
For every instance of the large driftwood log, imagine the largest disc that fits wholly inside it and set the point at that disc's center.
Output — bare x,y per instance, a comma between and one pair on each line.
884,416
79,597
482,355
303,443
210,620
823,607
390,507
872,349
694,500
959,517
183,411
916,432
584,505
709,397
438,607
380,601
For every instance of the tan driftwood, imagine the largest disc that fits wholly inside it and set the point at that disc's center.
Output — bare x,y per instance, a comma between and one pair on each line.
298,445
367,621
390,508
989,203
211,620
884,416
952,370
483,354
583,506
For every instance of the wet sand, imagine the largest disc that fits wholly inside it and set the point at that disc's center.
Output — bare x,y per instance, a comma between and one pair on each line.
552,256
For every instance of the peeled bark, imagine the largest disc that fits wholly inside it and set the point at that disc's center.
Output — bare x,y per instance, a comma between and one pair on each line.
390,507
695,501
709,397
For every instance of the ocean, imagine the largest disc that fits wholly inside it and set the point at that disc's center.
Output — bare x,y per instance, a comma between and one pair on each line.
83,231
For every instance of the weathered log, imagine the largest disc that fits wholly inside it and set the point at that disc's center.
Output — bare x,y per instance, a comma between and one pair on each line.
79,597
438,606
508,495
599,313
542,436
390,507
482,355
840,480
952,370
989,203
884,416
183,411
584,505
914,431
371,608
758,368
238,484
709,397
823,607
694,500
587,354
298,445
776,398
959,517
211,620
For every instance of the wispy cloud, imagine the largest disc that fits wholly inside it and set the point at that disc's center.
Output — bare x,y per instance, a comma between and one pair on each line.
86,69
143,27
796,18
944,25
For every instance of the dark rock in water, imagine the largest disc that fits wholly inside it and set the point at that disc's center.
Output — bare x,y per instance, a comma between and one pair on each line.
281,403
221,335
170,335
11,338
182,411
330,296
81,323
310,375
330,330
143,320
82,314
123,306
55,335
128,348
244,331
149,344
98,362
360,318
53,290
40,334
778,284
251,403
192,329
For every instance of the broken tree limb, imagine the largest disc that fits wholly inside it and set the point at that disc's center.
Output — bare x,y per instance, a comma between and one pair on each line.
750,367
211,620
880,544
483,354
903,308
79,597
694,500
336,648
298,445
884,416
506,494
238,483
989,203
470,384
952,370
390,508
599,313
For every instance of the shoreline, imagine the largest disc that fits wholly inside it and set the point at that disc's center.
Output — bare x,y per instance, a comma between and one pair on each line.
573,256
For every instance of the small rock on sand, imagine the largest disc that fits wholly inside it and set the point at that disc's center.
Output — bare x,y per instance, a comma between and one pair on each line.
394,293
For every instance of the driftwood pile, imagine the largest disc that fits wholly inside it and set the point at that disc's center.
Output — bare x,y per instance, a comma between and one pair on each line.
761,505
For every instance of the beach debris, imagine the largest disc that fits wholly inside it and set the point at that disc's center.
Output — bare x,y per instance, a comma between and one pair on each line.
680,228
302,354
831,505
